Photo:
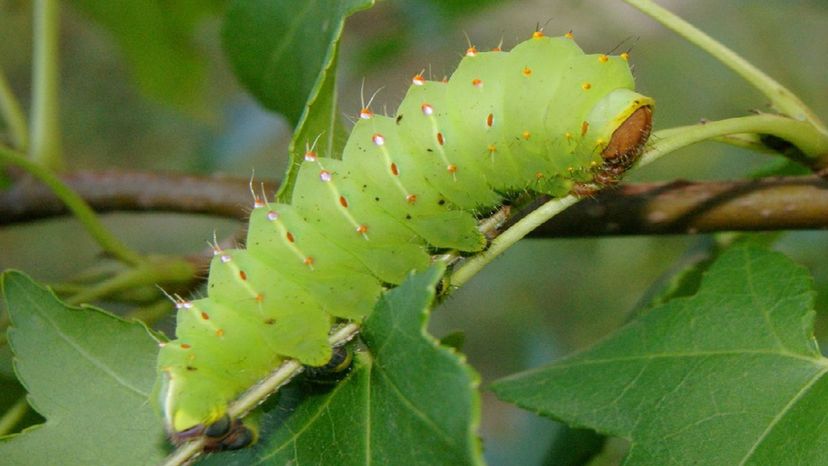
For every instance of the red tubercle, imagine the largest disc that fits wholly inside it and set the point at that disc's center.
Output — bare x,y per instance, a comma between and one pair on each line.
490,120
440,139
290,237
394,170
343,202
205,316
242,274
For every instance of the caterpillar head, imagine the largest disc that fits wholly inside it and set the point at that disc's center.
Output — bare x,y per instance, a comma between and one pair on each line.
629,128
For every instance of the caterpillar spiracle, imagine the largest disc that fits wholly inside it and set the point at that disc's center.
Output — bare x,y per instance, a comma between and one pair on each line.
544,117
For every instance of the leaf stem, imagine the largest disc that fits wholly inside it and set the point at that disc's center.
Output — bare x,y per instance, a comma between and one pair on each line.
799,133
254,397
13,416
781,98
150,271
509,237
12,114
45,146
76,204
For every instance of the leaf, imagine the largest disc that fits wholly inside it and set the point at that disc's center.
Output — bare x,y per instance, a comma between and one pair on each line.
89,374
282,49
284,52
406,401
157,40
730,375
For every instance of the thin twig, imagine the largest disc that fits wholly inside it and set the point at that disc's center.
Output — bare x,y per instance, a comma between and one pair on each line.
13,415
45,141
12,114
81,210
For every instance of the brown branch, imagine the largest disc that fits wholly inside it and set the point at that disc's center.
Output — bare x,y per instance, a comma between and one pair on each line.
653,208
116,190
682,207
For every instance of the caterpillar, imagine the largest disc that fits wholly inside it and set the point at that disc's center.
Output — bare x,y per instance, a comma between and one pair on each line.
544,118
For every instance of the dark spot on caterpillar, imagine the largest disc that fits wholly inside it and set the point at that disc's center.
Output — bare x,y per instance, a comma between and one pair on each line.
408,216
270,321
191,368
429,150
441,202
377,199
399,119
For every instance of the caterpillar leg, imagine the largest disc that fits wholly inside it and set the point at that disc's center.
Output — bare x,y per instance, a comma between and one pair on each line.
229,434
334,370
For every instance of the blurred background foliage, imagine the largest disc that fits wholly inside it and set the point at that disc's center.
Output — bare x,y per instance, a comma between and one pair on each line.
148,87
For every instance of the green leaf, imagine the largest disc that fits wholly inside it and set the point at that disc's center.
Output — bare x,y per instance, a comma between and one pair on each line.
284,52
407,400
157,41
730,375
89,374
281,50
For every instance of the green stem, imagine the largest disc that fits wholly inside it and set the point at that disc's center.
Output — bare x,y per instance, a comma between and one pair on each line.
799,133
152,313
46,139
12,114
13,416
781,98
509,237
76,204
149,272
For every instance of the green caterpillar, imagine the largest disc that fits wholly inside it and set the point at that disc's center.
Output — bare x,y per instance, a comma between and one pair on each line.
544,117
